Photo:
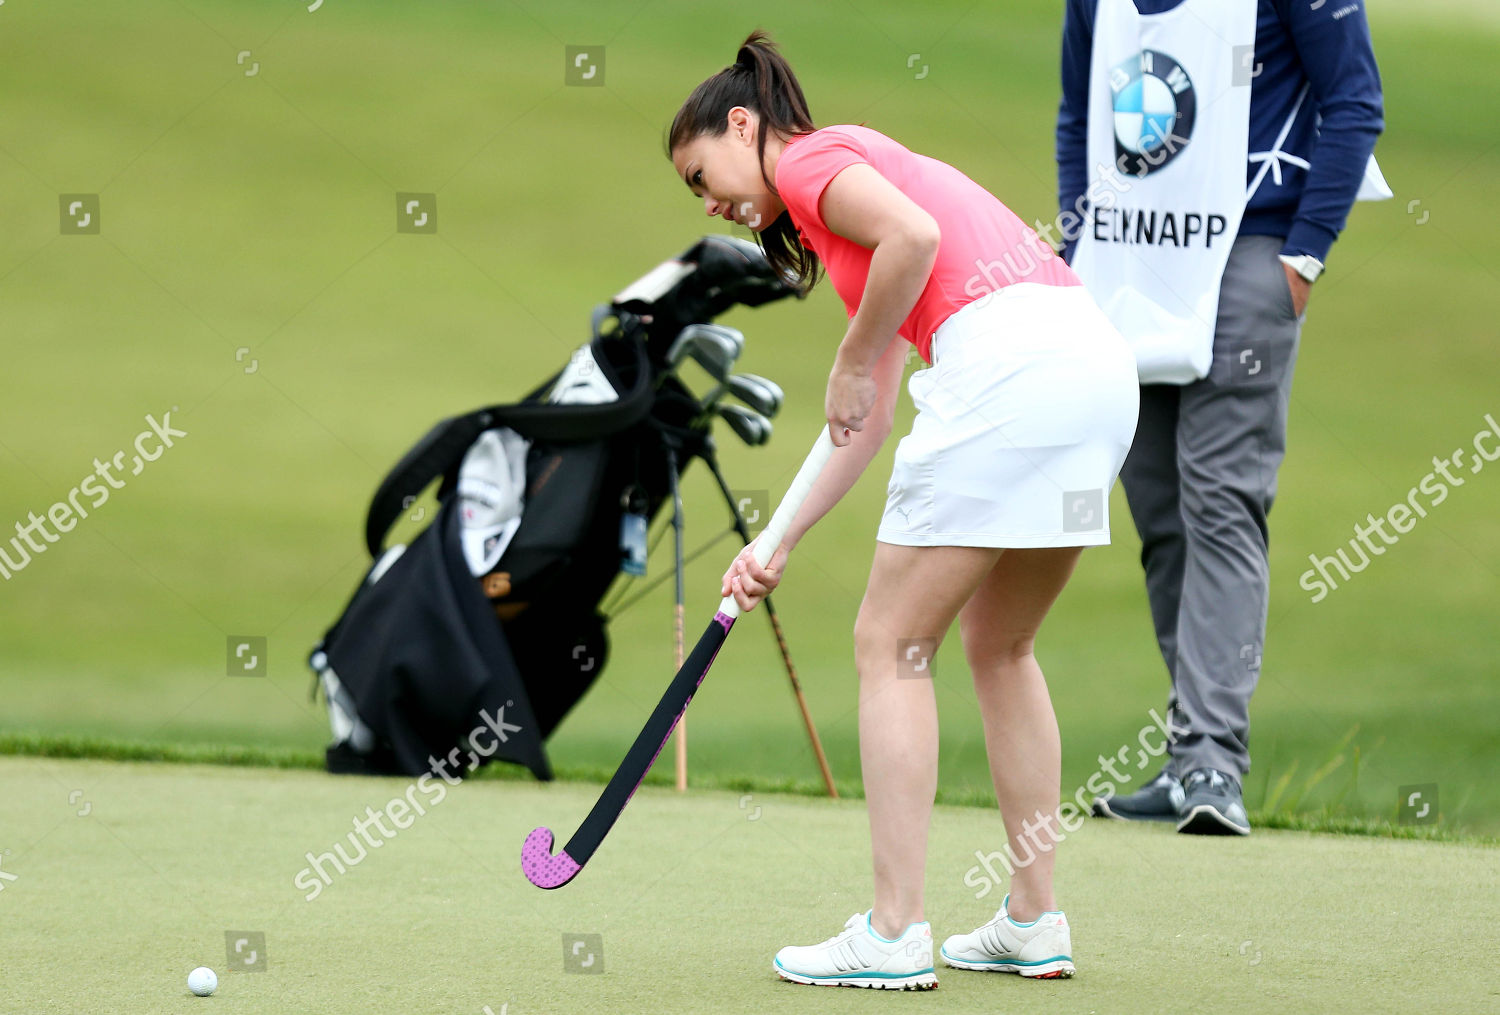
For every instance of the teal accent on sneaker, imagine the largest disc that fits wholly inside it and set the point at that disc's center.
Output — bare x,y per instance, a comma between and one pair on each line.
870,926
1005,905
859,976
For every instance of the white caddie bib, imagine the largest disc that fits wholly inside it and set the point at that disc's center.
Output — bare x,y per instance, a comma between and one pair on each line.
1169,125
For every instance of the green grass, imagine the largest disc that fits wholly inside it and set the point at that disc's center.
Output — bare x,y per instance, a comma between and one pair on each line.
256,213
1273,815
692,895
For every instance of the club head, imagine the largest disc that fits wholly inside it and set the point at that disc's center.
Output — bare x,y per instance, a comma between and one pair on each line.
749,426
766,383
733,338
678,350
761,394
713,346
716,353
752,394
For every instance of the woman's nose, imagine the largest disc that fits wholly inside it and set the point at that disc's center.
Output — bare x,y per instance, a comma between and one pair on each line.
711,207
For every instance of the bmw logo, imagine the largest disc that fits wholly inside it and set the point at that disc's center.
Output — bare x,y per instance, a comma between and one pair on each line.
1154,109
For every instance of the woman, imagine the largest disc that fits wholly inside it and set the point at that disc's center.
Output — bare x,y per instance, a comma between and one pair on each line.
1023,421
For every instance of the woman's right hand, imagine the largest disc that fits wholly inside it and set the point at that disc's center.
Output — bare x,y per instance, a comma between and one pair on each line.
850,400
747,581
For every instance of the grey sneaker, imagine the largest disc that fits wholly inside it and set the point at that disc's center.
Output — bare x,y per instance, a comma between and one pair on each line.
1158,800
1213,804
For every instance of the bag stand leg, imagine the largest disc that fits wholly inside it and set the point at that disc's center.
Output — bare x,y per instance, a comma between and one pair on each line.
709,457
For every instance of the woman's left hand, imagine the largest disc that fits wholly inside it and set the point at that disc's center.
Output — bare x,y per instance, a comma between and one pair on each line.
849,402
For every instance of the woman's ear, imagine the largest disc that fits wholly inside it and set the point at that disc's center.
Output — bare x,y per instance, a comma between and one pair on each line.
742,125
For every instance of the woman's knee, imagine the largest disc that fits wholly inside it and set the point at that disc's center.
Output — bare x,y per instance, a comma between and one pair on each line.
988,646
881,642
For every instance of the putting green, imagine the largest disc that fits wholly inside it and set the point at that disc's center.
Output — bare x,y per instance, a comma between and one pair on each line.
690,896
249,273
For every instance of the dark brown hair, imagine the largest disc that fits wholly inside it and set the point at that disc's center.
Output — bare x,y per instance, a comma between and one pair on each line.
761,80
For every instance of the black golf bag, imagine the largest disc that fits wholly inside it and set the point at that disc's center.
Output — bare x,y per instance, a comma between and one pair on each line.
432,664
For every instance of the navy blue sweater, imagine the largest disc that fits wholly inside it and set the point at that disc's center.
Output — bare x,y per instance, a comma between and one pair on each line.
1294,44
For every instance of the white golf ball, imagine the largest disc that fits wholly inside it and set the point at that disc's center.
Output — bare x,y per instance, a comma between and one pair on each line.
202,981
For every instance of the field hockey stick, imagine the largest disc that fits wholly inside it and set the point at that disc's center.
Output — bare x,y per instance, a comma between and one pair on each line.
537,862
678,634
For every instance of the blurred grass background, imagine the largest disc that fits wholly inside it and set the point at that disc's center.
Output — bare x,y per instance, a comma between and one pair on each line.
254,211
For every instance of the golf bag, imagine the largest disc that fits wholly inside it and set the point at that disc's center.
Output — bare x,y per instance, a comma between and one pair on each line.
472,642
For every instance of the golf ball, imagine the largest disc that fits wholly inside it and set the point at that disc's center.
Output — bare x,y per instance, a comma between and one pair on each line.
202,981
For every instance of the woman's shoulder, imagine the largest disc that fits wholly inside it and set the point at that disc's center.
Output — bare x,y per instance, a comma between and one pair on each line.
836,145
810,161
842,133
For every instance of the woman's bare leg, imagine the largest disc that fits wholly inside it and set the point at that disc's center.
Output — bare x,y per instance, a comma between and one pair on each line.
912,598
999,626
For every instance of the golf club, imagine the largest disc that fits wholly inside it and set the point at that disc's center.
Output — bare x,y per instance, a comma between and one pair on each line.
749,426
771,399
759,393
713,346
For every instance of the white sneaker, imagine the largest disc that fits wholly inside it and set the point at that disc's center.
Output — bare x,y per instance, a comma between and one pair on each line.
1042,948
859,957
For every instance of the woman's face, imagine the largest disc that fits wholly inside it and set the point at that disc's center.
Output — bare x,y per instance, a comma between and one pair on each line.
725,172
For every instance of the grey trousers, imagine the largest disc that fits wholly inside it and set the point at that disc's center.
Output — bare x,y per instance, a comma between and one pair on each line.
1200,480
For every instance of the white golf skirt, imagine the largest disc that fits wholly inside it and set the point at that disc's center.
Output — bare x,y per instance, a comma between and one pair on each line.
1023,421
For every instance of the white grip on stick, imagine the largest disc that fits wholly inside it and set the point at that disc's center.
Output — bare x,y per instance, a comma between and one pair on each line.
775,530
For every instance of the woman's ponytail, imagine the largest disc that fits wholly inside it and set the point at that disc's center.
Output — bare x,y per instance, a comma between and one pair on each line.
760,79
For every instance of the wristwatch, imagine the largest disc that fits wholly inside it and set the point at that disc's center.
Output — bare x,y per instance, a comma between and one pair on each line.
1306,265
